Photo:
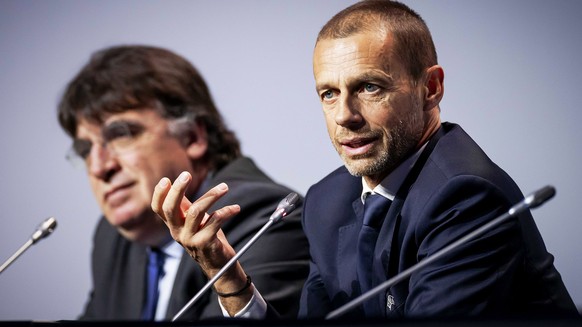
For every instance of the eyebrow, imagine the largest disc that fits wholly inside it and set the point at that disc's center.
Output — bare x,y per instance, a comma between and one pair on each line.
132,126
123,122
367,76
375,75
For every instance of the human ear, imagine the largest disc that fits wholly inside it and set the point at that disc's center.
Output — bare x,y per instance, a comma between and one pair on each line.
434,87
197,144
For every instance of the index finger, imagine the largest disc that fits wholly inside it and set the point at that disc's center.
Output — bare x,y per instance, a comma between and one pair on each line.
159,196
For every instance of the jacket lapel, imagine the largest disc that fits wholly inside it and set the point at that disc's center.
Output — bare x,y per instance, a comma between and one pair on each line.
386,257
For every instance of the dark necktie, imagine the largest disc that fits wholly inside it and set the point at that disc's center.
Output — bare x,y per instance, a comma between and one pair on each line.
375,209
155,272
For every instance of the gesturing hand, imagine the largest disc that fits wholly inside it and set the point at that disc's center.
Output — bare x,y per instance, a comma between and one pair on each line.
190,224
200,233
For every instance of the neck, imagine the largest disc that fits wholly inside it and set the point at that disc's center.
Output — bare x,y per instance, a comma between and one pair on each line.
431,126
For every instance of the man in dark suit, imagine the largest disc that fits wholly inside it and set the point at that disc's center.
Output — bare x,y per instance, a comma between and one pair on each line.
427,183
380,86
137,114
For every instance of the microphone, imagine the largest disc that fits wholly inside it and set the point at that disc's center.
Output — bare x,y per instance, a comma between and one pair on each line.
285,207
534,200
43,230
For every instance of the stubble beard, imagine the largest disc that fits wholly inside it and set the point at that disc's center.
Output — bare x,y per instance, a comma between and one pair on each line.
400,143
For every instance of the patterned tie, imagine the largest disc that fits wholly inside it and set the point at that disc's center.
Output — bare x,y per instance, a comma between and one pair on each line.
155,272
375,209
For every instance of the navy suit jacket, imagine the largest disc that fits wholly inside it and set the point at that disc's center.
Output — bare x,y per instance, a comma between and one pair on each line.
452,189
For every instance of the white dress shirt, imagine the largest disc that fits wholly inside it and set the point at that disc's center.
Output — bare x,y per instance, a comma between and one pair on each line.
173,252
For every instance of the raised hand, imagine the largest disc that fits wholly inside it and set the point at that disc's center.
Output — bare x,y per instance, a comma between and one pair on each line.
199,232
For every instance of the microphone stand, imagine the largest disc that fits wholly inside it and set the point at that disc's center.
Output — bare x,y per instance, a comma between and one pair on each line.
45,228
533,200
284,208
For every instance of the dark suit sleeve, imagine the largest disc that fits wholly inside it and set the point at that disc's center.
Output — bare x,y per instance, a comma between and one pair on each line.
328,207
477,277
314,299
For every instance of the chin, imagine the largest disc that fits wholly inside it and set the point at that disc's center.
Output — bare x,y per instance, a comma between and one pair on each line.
125,219
137,231
145,228
357,171
360,168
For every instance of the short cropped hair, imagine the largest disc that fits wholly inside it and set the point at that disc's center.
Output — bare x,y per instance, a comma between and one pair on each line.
413,42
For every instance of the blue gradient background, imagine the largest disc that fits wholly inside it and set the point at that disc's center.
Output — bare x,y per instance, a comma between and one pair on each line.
512,80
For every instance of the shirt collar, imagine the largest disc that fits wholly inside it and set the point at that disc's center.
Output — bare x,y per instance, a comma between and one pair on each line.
389,186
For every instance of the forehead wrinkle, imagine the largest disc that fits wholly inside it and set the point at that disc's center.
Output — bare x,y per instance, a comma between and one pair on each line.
370,58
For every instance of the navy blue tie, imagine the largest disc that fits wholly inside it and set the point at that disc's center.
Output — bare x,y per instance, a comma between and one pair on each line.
155,272
375,209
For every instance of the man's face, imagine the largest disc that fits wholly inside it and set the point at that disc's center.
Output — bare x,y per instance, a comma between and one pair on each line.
123,174
373,110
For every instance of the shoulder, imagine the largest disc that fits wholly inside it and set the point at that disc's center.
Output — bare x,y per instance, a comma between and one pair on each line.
459,175
338,183
257,195
456,153
330,200
250,186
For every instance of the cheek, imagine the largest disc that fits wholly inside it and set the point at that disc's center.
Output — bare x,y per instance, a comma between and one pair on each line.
329,121
396,108
149,171
97,188
163,164
382,113
144,169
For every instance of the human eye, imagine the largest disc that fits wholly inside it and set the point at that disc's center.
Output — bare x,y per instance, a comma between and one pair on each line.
370,88
120,130
82,148
121,135
327,95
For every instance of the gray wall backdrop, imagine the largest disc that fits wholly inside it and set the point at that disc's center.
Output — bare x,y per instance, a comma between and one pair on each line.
512,71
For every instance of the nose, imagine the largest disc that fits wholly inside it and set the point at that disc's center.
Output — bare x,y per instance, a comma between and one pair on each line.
348,113
101,163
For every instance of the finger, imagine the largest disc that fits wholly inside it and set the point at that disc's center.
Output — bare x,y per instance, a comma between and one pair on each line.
160,192
172,204
213,222
220,216
198,210
185,204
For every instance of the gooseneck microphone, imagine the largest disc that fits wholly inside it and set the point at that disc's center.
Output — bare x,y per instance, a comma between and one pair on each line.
285,207
533,200
44,230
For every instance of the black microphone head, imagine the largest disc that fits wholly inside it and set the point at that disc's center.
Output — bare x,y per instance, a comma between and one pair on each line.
288,204
540,196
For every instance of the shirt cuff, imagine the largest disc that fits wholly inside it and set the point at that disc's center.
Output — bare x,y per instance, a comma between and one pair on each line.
255,309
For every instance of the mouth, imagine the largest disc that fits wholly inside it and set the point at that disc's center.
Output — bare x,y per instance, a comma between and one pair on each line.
357,146
117,193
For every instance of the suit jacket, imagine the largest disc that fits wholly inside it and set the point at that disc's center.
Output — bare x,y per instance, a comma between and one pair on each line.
278,262
452,189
